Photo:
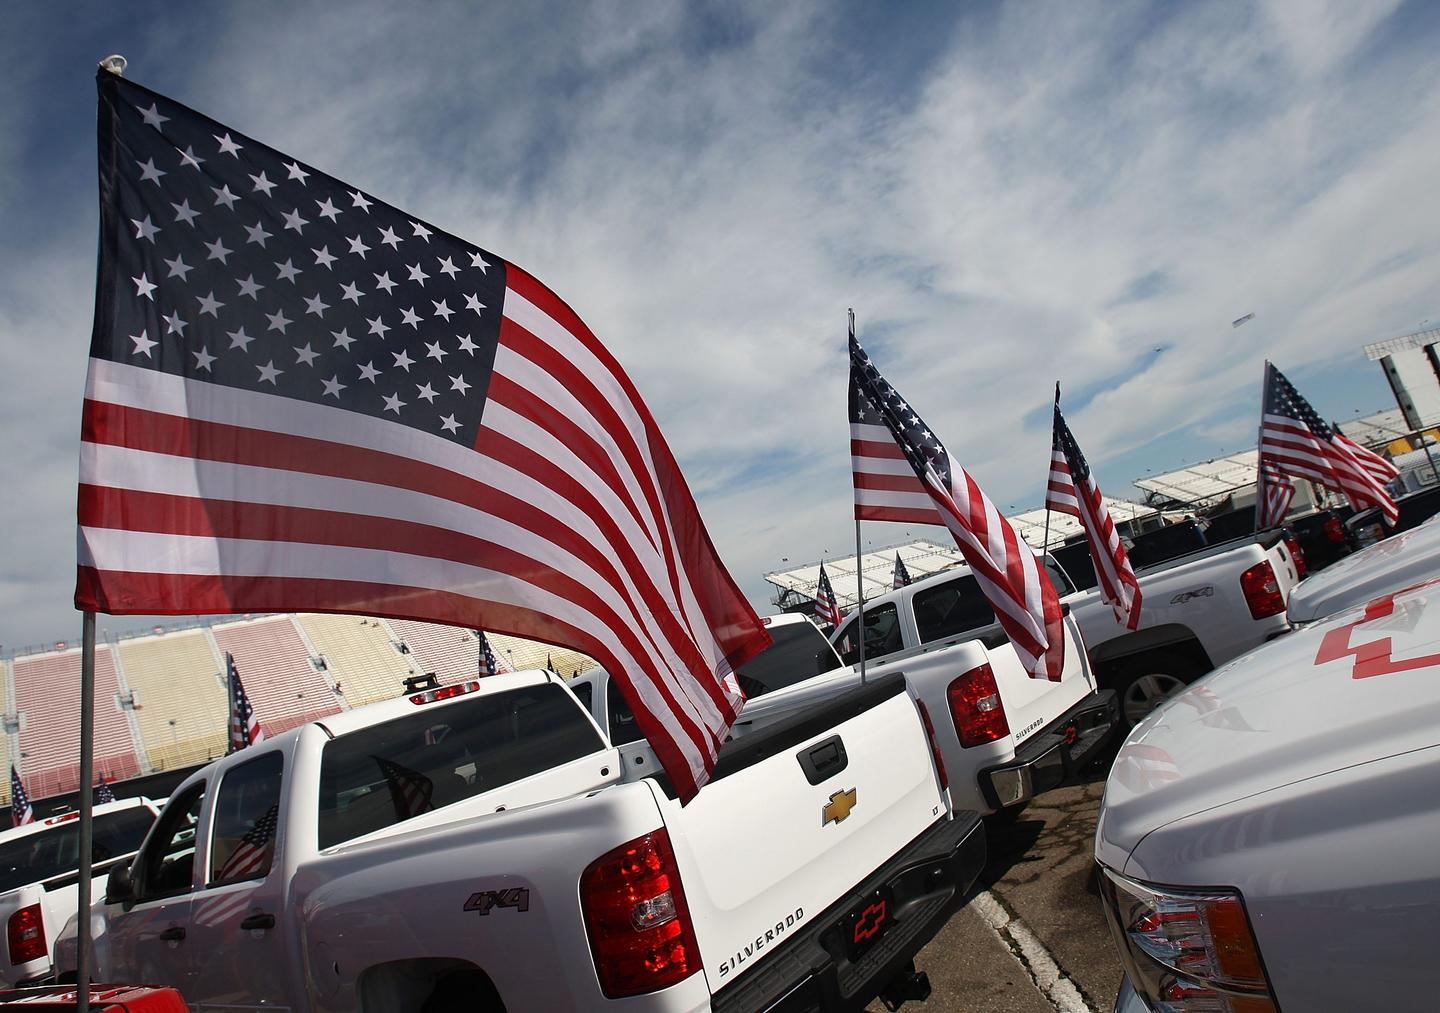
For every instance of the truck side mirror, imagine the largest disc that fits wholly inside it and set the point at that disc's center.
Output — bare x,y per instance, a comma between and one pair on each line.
119,888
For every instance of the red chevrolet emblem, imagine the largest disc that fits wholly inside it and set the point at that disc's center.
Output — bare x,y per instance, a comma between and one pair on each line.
869,921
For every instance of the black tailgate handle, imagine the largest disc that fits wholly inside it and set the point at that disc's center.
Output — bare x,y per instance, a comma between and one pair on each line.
823,760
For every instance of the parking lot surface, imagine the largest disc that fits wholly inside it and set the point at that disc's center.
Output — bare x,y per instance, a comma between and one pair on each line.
1032,938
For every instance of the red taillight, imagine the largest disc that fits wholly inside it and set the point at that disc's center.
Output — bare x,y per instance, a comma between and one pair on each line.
1296,556
1334,530
976,709
1262,590
635,915
26,931
445,692
934,746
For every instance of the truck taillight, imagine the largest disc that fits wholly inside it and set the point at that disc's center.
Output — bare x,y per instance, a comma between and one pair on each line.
445,692
1262,590
1297,555
934,746
26,932
635,914
976,709
1188,951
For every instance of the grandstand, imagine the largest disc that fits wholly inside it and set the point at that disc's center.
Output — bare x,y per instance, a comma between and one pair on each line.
48,712
180,703
160,700
359,656
279,672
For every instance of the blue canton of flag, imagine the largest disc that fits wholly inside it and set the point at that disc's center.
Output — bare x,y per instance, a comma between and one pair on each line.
244,725
21,812
902,575
103,793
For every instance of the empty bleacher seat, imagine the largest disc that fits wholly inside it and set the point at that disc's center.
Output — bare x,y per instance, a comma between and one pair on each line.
281,683
358,656
182,710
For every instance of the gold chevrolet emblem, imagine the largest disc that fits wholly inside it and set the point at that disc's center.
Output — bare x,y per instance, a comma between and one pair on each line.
837,810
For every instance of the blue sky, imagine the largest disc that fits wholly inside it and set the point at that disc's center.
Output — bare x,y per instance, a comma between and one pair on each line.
1006,193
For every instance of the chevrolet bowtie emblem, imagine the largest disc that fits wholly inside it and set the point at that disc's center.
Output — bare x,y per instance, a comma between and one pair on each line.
837,810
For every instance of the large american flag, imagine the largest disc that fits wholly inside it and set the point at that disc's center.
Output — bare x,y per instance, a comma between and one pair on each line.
827,609
302,398
487,664
245,727
1296,443
1072,489
21,812
904,473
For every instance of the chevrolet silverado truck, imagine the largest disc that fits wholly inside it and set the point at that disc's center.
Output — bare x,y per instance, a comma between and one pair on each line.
1000,736
1410,557
39,881
480,846
1267,838
1198,610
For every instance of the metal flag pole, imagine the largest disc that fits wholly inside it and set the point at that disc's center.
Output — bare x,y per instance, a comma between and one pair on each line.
859,569
1045,546
1259,453
87,815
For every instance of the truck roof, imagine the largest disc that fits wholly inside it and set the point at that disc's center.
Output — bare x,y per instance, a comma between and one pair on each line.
385,710
59,819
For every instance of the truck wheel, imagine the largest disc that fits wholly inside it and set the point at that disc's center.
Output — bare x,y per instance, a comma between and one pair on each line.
464,992
1141,684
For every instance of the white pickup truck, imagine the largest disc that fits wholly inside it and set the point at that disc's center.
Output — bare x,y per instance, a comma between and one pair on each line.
1198,610
39,885
1001,737
481,847
1268,838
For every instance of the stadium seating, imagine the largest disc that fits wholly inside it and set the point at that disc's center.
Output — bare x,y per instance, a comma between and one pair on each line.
283,686
359,656
47,693
448,651
182,709
516,654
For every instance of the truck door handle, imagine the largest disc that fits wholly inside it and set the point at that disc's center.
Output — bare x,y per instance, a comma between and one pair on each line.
823,760
173,934
258,921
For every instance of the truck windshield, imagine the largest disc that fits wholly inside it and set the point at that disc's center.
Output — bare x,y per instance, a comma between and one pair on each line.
56,851
389,773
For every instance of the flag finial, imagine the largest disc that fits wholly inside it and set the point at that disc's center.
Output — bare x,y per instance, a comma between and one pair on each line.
115,64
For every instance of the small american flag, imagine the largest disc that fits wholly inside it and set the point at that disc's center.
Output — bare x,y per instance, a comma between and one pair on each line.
902,575
244,725
251,857
1296,443
487,664
103,793
410,790
904,473
1073,490
827,609
21,811
302,398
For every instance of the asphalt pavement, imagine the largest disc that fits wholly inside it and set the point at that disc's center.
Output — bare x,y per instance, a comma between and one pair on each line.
1032,938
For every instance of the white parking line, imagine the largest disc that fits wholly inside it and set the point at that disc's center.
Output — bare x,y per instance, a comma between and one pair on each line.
1039,963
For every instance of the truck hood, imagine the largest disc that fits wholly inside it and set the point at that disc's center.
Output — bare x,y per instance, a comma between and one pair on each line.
1398,561
1359,686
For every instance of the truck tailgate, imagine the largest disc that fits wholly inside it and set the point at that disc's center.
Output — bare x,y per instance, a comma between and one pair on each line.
1031,704
798,814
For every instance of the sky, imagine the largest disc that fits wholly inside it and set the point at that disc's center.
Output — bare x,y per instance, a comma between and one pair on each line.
1006,193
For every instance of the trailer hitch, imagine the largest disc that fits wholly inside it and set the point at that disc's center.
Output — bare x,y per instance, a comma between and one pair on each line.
906,985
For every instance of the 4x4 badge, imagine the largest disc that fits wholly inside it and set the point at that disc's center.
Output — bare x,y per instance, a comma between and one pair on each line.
837,810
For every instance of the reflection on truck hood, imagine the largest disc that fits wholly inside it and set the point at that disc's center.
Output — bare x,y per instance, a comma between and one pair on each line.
1396,562
1358,686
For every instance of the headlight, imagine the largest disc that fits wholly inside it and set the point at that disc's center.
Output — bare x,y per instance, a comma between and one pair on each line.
1187,951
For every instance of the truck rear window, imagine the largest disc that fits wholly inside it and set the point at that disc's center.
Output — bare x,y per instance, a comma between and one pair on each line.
56,851
389,773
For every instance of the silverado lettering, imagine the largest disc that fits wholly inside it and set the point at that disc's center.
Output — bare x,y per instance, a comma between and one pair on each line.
751,949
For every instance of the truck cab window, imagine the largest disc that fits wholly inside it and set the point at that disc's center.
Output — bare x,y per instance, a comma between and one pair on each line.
882,634
247,809
623,728
166,865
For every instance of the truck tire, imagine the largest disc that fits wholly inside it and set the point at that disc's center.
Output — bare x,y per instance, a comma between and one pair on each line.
464,992
1143,682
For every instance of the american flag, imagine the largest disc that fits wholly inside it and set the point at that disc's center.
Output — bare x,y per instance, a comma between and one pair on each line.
1380,468
827,609
487,665
1296,443
244,725
1273,493
250,860
1072,489
410,790
904,473
902,575
21,812
301,398
103,793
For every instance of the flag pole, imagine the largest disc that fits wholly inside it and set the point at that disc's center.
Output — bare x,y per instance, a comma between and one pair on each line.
1260,439
87,815
859,571
1045,546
